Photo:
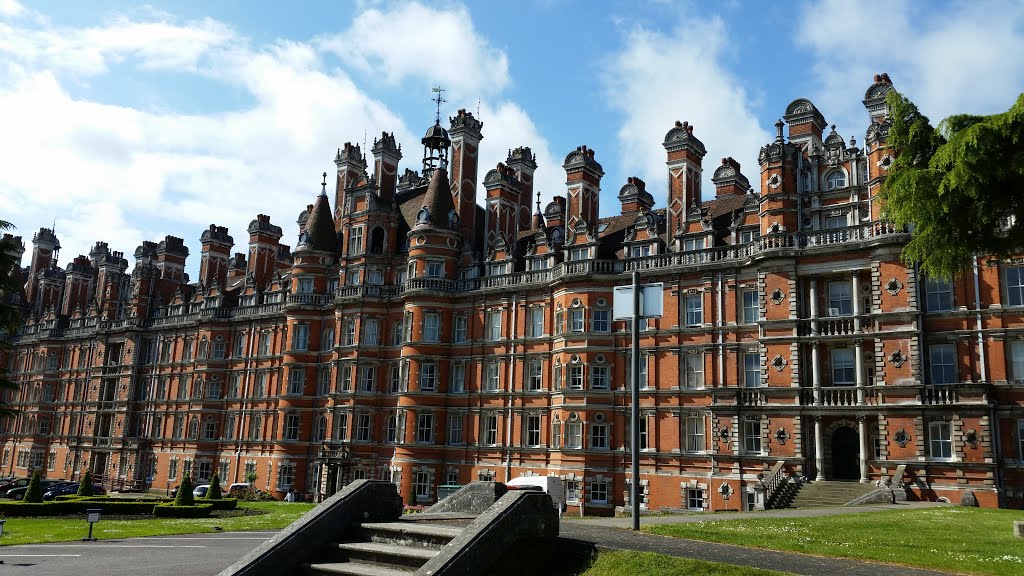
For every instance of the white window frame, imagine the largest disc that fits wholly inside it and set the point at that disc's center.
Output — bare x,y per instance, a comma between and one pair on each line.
844,368
694,307
942,364
940,440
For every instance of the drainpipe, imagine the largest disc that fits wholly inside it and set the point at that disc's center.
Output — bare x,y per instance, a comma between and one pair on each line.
511,387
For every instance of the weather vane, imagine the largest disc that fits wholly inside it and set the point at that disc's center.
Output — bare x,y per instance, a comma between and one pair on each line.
438,100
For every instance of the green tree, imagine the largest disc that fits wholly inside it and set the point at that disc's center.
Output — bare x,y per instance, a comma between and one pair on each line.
85,484
184,496
214,491
957,185
10,315
34,492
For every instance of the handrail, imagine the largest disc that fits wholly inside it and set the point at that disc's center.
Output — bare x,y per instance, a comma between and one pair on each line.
773,481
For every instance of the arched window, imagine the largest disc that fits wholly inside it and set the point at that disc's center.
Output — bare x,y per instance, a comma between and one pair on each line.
835,179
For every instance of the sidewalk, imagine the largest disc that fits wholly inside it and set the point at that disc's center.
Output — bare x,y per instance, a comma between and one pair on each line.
613,533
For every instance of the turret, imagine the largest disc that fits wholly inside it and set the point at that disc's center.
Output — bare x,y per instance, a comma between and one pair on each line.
45,248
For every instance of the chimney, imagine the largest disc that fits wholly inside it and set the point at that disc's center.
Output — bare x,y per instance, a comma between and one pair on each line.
684,156
501,217
78,285
729,180
45,247
213,266
170,259
523,163
805,122
634,196
386,155
264,239
351,169
583,182
465,135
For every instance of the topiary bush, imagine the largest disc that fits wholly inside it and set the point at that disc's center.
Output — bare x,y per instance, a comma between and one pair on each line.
176,511
214,491
85,485
184,496
34,492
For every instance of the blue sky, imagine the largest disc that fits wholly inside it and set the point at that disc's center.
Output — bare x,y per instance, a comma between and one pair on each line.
125,123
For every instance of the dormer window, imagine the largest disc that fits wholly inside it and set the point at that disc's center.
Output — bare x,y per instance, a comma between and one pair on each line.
305,286
539,264
692,244
579,254
835,179
640,251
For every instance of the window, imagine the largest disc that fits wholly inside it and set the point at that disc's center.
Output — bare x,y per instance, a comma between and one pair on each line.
693,434
577,254
305,286
489,430
363,427
694,310
574,434
341,427
834,222
453,477
371,332
435,269
367,378
598,377
210,430
840,299
748,236
422,485
425,428
576,319
395,378
428,377
695,499
939,294
693,370
752,436
261,385
864,172
572,491
348,327
536,322
300,337
600,322
455,428
940,440
458,378
751,370
535,375
692,244
396,334
391,429
1015,285
491,378
431,327
494,325
265,344
644,445
559,321
942,363
204,470
599,437
1017,360
556,434
599,492
323,381
285,475
461,332
576,377
751,307
296,381
843,369
835,179
1020,437
532,430
291,427
355,240
172,469
640,251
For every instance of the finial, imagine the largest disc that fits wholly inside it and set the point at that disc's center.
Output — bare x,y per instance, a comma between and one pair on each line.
538,201
323,192
778,130
438,100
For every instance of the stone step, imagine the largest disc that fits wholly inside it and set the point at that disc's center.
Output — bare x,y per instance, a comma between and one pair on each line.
410,533
829,493
354,569
380,553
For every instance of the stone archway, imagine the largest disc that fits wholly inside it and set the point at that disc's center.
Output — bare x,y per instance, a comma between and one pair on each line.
845,461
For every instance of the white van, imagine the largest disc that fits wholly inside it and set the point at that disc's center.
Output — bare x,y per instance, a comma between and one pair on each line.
551,485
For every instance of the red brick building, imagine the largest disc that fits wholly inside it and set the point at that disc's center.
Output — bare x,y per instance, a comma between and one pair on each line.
432,332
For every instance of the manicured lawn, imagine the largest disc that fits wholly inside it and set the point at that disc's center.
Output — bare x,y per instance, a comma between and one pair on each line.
616,563
967,540
36,530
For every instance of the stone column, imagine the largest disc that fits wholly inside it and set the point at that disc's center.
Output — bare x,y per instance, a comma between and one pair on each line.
858,369
813,296
816,373
819,451
862,429
855,300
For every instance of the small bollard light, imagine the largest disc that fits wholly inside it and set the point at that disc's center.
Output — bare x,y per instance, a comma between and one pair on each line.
92,516
2,520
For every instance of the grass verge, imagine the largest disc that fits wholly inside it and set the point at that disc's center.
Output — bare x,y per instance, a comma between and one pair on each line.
958,539
270,516
616,563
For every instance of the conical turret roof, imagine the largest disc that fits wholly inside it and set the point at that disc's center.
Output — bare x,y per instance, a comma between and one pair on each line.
437,202
320,233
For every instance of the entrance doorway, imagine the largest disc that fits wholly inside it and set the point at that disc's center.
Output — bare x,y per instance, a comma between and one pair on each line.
845,454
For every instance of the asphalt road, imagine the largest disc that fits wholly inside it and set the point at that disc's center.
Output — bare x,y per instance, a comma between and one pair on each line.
192,554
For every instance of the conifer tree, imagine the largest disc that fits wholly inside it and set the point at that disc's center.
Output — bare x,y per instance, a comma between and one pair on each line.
85,485
214,492
34,492
184,496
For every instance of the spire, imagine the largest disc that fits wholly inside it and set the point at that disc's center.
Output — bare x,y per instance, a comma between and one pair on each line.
437,202
319,230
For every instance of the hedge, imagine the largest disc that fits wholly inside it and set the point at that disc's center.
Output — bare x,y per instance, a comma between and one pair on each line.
172,511
101,499
79,506
223,503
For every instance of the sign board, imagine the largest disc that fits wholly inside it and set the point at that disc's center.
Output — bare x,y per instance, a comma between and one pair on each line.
651,301
92,516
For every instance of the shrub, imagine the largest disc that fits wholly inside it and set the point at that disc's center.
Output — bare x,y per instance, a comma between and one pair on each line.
34,492
179,511
214,492
184,496
85,485
223,503
74,507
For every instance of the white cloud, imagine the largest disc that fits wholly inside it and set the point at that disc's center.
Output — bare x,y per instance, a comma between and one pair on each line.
11,8
952,58
658,78
426,44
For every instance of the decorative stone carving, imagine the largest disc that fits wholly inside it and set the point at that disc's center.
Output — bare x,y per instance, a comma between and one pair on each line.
902,438
778,363
724,434
893,286
777,296
971,437
775,181
897,358
885,162
781,435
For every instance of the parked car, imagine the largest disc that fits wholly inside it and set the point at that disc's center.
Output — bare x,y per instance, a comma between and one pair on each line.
11,484
19,492
241,487
70,488
200,490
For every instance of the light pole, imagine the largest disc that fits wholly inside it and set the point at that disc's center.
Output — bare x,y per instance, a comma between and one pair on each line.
634,414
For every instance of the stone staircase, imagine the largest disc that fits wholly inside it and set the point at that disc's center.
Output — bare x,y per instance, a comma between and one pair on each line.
828,493
397,548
